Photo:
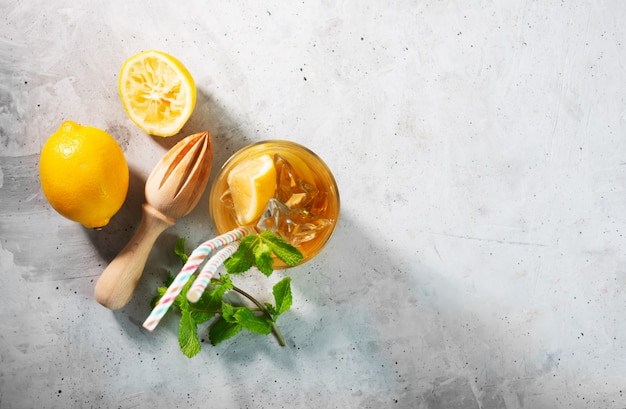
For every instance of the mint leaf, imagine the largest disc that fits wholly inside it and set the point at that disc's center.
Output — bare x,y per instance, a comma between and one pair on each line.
282,296
243,259
211,299
221,330
263,258
201,316
270,309
179,250
228,312
245,317
160,292
188,335
181,299
287,253
252,322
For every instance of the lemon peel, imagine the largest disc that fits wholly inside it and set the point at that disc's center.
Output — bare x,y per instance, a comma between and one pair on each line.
84,174
252,184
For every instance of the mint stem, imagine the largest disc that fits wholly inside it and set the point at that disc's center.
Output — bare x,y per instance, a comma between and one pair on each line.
275,329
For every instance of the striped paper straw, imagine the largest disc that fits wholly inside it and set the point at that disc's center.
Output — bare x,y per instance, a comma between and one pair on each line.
204,278
193,262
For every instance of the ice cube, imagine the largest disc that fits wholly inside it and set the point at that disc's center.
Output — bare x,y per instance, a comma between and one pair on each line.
292,189
294,225
227,201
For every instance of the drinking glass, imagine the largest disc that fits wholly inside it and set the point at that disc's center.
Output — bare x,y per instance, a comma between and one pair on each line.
311,225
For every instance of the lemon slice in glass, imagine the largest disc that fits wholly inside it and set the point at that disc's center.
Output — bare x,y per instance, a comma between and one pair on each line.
252,184
157,91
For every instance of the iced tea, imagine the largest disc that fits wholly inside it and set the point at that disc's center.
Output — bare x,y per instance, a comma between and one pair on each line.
305,206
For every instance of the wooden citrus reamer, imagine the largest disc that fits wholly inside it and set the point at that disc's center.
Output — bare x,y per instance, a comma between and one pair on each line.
172,190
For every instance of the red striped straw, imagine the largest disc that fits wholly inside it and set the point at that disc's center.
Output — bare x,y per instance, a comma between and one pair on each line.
204,278
193,262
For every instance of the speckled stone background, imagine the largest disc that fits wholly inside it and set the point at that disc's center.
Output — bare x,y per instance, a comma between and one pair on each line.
480,151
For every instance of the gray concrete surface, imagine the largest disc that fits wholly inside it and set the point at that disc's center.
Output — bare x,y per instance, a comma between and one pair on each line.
480,151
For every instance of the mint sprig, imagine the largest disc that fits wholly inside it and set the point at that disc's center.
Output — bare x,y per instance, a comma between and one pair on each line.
256,250
227,318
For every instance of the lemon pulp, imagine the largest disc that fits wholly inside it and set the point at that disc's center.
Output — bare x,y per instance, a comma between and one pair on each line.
157,92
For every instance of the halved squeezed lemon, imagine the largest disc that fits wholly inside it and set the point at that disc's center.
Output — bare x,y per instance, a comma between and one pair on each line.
252,184
157,91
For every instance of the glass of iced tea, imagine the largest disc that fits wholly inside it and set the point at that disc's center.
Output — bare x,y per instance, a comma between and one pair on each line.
294,195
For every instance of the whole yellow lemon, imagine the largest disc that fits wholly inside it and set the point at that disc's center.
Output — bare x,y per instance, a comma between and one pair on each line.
84,174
